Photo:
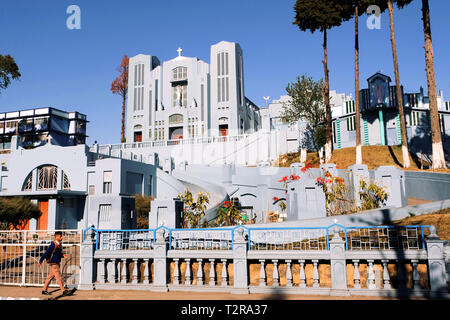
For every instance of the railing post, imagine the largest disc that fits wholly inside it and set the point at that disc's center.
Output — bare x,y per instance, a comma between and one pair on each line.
338,264
240,262
436,263
24,257
87,261
160,261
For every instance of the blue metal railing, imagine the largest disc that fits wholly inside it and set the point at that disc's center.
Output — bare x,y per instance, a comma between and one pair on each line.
289,238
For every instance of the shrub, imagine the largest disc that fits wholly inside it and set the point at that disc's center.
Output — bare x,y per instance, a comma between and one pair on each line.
16,212
193,212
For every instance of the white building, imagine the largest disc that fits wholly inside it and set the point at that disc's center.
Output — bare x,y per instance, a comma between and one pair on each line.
186,97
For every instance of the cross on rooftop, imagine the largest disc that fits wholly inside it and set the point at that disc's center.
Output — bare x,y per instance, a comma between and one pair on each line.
179,51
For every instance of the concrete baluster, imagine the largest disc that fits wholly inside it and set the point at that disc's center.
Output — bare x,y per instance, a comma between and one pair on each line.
176,272
262,274
386,277
124,271
187,274
146,271
288,273
111,270
356,276
200,272
302,274
212,273
371,277
276,279
135,271
224,272
316,283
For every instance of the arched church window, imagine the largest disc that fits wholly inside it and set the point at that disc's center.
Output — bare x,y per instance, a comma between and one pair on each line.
176,118
47,178
179,73
223,120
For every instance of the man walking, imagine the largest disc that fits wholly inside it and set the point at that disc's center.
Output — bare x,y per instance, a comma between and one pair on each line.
53,257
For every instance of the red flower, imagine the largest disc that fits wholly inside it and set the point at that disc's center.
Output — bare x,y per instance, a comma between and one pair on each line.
295,177
227,204
284,179
276,198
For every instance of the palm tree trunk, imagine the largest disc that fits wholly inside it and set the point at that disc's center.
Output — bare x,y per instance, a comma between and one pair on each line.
326,94
405,151
357,102
436,139
122,138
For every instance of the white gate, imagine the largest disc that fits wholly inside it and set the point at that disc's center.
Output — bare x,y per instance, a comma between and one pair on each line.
20,252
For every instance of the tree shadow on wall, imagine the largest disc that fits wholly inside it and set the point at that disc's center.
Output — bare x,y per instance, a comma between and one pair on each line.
399,281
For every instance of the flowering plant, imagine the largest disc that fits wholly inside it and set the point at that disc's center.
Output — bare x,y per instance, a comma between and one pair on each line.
288,179
336,194
228,214
281,203
193,212
372,196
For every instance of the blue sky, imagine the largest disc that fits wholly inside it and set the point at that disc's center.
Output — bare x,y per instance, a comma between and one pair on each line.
73,69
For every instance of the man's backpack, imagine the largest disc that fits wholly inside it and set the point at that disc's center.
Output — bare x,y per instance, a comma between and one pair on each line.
54,249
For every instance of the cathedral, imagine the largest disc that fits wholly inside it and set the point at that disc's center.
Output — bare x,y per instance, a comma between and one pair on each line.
186,97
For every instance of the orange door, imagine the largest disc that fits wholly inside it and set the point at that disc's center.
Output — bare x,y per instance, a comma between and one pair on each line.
42,223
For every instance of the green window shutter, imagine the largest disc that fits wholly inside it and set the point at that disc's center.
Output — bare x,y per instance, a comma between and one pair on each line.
399,130
366,132
338,133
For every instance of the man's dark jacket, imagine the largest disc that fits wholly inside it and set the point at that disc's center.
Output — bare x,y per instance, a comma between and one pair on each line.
52,255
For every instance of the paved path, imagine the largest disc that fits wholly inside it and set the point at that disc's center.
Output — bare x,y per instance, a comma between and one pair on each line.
35,292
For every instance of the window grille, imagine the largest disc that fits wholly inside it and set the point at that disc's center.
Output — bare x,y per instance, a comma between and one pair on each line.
47,178
66,182
29,183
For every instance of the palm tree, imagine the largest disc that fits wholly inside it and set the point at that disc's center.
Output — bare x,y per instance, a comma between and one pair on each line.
438,157
321,15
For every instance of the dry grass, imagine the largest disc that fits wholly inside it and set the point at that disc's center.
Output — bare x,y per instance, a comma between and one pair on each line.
373,157
440,219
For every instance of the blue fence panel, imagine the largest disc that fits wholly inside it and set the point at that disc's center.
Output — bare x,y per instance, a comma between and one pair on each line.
294,238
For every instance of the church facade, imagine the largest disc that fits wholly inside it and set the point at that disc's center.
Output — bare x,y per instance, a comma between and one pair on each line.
186,97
